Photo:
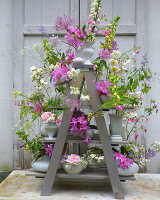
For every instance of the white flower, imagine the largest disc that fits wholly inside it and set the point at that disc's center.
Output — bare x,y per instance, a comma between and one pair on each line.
85,98
32,77
38,87
94,4
40,70
70,74
51,67
114,69
43,81
33,68
116,54
113,62
74,90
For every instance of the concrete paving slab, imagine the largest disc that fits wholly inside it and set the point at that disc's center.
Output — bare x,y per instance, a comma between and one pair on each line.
18,186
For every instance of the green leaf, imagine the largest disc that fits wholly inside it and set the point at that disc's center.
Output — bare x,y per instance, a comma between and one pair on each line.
27,125
25,111
108,104
149,71
34,116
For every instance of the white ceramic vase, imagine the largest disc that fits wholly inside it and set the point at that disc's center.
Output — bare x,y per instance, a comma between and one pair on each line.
115,127
79,60
88,52
133,169
73,169
51,129
41,164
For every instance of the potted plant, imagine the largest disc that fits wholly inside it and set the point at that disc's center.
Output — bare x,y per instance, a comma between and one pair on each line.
95,158
73,164
40,151
50,122
126,166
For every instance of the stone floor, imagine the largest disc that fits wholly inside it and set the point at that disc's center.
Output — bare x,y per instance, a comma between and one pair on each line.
17,186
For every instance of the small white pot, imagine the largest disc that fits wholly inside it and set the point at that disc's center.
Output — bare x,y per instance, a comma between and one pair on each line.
73,169
51,129
133,169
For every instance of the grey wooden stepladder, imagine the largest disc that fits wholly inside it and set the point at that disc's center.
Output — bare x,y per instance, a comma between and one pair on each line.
88,75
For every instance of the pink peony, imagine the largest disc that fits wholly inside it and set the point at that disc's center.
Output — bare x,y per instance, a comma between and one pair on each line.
73,159
46,116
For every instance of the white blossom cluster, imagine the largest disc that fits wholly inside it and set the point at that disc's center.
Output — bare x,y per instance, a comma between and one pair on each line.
92,158
93,10
116,65
73,73
74,90
38,76
85,97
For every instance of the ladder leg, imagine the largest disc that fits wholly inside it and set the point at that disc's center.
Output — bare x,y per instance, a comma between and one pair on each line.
56,155
104,138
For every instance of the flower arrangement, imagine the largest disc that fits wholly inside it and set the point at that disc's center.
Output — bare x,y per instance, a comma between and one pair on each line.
125,84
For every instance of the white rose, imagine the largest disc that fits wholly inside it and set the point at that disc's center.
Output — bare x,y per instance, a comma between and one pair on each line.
116,54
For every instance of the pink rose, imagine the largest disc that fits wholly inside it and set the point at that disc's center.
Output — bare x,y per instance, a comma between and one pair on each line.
73,159
46,116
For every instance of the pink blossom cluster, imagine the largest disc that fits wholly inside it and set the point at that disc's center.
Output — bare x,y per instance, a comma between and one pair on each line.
59,75
79,123
102,88
75,36
106,53
120,108
73,159
62,24
46,116
72,104
38,107
122,161
69,58
18,103
48,149
132,120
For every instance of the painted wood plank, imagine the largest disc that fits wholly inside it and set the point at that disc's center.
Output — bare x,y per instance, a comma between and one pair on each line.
18,158
53,8
122,29
104,138
126,10
32,12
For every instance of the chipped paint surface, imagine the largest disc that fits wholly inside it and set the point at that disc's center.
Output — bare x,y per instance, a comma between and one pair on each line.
17,186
